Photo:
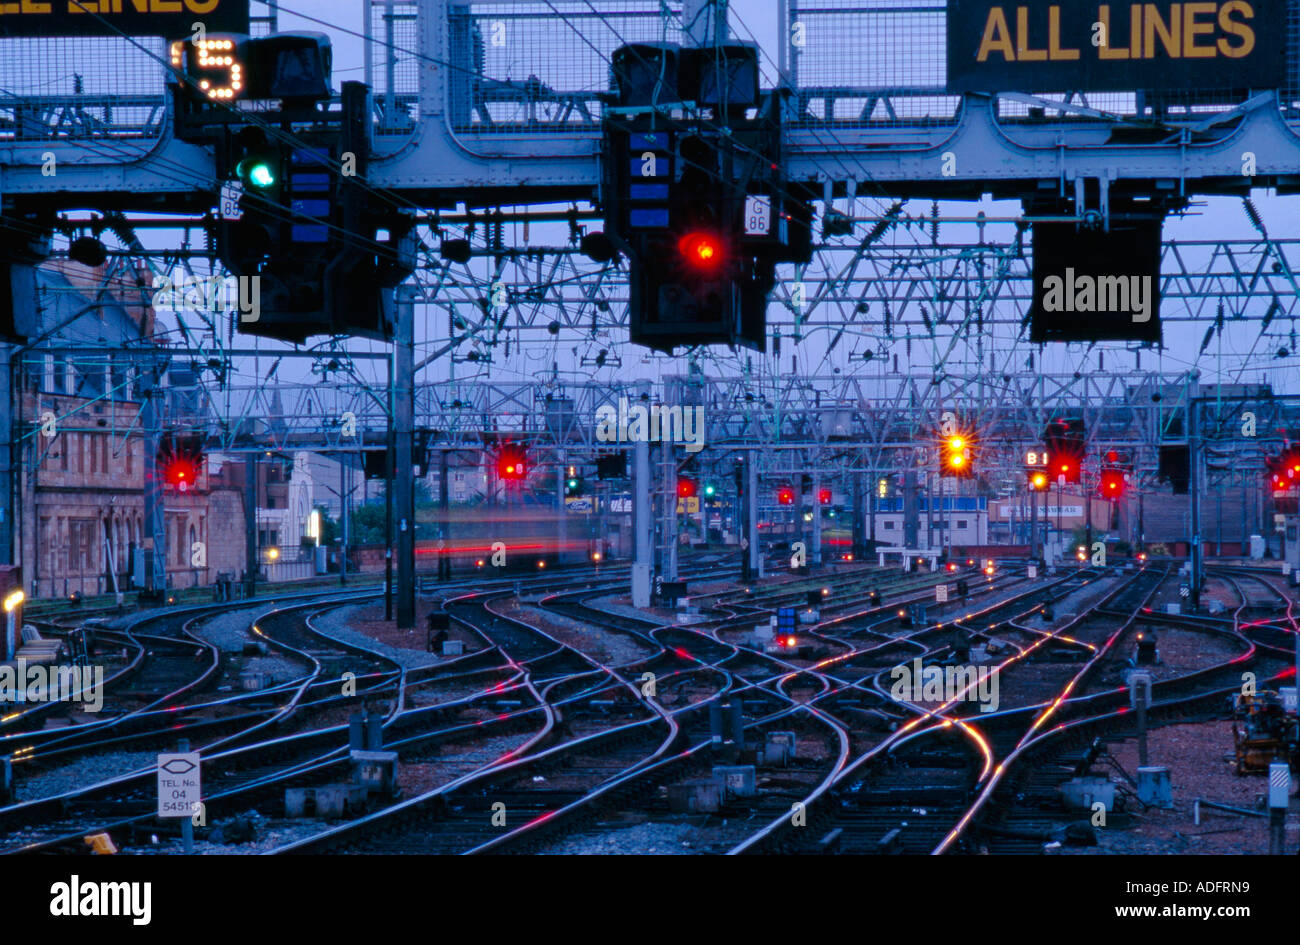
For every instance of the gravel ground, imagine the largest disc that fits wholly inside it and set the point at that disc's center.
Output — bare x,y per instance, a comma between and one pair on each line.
607,646
273,834
643,838
1220,590
81,772
1075,603
415,779
229,631
420,777
617,604
1199,758
358,625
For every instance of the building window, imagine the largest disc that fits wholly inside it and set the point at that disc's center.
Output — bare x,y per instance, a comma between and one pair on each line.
45,538
81,544
94,454
889,526
65,444
130,459
963,523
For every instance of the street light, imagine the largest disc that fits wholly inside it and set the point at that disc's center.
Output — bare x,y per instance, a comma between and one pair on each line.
11,602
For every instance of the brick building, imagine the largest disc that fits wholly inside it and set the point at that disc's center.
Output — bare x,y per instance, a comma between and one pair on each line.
82,477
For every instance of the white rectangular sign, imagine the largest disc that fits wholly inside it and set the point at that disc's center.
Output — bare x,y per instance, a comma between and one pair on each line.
231,191
758,215
179,787
1032,571
941,593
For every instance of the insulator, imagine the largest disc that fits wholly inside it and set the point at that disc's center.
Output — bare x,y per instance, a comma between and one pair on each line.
1253,213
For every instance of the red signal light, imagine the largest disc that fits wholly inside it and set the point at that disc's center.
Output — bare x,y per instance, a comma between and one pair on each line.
1112,483
701,249
824,496
180,472
179,459
512,464
685,488
785,496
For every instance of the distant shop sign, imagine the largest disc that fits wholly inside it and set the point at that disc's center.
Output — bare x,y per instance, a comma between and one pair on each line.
583,504
1040,46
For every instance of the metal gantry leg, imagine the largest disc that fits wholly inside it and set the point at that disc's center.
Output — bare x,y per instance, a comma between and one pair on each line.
1194,490
155,519
642,520
668,568
752,550
404,474
250,520
444,512
562,508
816,555
911,517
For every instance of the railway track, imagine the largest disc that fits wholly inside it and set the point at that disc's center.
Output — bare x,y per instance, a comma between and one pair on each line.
534,742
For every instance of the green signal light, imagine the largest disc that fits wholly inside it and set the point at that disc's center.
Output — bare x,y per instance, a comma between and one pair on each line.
708,490
259,174
573,483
